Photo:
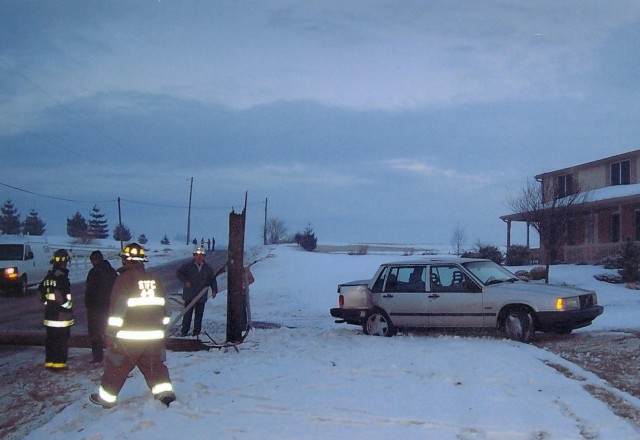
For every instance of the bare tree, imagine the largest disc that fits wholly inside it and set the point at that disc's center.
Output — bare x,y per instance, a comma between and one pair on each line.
276,230
550,212
457,240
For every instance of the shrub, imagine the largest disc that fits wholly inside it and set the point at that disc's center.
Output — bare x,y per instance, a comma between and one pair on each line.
487,251
518,255
630,261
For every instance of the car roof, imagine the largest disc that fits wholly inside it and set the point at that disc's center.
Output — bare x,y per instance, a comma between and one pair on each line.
433,260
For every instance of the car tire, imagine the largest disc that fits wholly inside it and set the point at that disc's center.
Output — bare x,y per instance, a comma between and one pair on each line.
377,323
518,325
22,287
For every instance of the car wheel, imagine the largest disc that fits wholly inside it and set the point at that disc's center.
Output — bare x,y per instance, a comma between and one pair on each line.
377,323
518,325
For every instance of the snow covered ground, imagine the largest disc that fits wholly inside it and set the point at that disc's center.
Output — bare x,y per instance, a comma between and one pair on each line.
300,375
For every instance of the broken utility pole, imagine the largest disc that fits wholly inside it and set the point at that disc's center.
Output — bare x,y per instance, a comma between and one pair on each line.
237,321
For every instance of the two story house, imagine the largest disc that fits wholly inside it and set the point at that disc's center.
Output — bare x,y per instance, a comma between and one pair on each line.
607,215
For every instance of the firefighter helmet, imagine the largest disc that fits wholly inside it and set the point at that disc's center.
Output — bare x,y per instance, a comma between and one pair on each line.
199,251
60,256
133,252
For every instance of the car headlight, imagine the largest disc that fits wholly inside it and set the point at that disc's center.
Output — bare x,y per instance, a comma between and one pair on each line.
571,303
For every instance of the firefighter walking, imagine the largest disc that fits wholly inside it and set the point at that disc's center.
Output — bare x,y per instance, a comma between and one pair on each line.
138,315
55,293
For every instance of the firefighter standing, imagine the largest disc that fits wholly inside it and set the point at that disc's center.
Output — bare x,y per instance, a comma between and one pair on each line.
55,293
138,315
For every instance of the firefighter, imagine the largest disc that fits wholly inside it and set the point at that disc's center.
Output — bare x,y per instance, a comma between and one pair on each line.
138,315
55,293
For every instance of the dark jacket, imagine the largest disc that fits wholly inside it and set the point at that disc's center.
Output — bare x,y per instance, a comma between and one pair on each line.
100,281
199,279
55,293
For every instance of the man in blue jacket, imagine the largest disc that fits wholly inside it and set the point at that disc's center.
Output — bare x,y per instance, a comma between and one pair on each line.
196,276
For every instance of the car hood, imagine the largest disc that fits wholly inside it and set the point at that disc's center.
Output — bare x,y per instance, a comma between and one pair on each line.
536,288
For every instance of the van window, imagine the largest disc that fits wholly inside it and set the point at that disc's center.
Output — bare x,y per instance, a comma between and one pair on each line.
10,252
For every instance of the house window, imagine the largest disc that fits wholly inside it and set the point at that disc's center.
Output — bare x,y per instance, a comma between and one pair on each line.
565,185
615,227
621,173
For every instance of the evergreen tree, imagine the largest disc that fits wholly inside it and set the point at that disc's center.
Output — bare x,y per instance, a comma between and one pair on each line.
77,226
98,227
165,240
10,220
121,233
308,240
32,225
142,239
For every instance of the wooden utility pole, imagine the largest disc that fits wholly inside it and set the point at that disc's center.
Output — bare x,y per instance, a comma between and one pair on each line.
264,231
120,223
189,214
236,297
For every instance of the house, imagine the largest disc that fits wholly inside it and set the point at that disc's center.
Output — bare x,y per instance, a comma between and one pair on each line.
607,214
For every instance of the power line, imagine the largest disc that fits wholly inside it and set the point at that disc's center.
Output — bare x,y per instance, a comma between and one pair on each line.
160,205
53,197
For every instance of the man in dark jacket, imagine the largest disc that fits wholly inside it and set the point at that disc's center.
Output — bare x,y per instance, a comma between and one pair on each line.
196,276
100,281
55,293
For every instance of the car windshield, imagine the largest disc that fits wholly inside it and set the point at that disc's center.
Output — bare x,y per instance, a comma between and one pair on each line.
10,252
489,272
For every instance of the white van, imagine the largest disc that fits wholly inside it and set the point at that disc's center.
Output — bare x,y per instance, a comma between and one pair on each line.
24,261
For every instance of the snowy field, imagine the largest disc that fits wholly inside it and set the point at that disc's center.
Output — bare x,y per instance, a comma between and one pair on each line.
299,375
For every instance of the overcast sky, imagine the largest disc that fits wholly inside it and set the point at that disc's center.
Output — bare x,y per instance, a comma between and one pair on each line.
372,121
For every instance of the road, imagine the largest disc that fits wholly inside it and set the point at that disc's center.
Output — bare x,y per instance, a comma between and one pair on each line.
25,313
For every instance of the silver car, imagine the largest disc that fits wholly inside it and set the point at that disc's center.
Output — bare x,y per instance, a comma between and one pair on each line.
461,293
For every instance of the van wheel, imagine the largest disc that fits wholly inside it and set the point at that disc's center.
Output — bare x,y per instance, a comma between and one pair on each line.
22,287
377,323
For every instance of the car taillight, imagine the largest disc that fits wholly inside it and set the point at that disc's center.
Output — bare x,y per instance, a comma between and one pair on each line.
341,300
10,272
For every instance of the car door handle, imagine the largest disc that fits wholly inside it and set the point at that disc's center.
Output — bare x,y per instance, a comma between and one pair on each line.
388,295
435,295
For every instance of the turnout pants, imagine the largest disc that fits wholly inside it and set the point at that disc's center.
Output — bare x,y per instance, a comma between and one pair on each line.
123,356
57,347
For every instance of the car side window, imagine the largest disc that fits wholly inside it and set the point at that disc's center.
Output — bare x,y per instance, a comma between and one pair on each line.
405,279
448,278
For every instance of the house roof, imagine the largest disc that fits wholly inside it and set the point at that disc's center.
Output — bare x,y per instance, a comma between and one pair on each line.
610,159
598,198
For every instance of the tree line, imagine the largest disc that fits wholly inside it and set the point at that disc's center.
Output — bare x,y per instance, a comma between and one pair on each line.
78,227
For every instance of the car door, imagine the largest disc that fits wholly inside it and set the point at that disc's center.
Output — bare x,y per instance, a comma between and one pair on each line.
402,294
455,300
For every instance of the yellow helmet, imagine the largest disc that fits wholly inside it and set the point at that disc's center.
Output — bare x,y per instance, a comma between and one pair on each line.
60,256
133,252
199,251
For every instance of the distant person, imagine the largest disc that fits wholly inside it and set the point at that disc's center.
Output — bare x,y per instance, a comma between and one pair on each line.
100,281
55,293
202,242
213,244
196,276
208,244
195,242
138,314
